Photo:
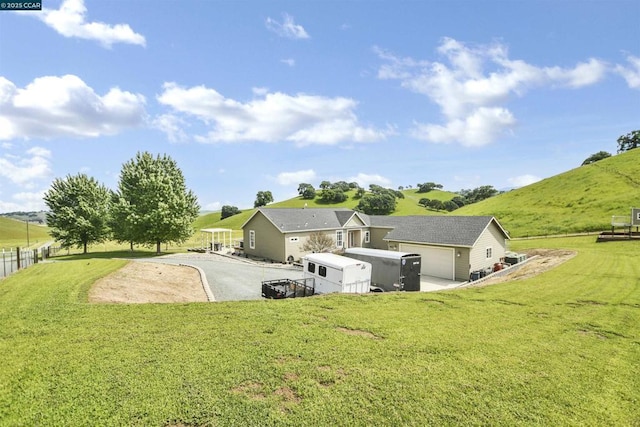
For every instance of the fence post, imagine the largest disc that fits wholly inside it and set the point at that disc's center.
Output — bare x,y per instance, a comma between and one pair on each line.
35,256
18,256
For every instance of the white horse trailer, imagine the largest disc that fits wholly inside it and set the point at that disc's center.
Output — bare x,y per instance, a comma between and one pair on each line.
335,273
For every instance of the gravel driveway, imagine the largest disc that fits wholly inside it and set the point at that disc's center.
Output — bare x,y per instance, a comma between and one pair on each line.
232,279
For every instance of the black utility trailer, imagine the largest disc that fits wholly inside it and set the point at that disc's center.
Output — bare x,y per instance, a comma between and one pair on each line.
287,288
390,270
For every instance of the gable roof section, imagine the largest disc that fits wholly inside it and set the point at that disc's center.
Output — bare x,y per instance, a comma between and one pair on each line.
289,220
436,230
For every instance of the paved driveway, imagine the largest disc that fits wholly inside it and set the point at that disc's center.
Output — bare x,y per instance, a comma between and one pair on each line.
232,279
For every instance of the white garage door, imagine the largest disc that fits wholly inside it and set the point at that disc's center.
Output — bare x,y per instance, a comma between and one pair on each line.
437,262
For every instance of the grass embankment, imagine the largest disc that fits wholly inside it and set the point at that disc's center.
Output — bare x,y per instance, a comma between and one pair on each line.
13,233
559,349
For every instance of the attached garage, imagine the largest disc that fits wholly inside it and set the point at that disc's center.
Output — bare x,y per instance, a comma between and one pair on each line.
436,261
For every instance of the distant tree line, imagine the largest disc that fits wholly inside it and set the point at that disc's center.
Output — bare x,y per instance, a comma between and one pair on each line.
463,197
150,206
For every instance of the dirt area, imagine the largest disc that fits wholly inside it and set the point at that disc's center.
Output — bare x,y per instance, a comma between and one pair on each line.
147,282
546,260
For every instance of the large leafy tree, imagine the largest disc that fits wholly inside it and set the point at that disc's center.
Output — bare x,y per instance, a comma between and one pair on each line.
263,198
78,211
152,204
478,194
596,157
629,141
228,211
428,186
306,191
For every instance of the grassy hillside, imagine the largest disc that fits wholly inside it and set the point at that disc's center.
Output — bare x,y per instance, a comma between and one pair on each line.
582,199
407,206
13,233
557,349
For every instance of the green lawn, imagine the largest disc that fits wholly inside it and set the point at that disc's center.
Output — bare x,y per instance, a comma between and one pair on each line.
559,349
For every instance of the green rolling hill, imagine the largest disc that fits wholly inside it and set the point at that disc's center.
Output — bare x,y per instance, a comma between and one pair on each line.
582,199
13,233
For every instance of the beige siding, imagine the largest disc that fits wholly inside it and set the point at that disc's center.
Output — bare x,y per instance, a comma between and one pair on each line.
491,238
269,241
295,241
377,234
354,222
462,264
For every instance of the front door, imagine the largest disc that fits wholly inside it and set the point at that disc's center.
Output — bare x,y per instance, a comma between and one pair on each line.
354,239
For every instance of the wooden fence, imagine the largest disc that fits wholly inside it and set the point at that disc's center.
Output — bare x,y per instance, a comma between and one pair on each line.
14,259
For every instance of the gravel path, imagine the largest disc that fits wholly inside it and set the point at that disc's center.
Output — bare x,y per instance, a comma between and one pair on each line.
232,279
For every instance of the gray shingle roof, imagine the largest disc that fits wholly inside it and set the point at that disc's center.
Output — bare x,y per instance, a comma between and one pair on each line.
437,230
310,219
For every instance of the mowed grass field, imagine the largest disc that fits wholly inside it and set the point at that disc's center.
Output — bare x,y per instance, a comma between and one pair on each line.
562,348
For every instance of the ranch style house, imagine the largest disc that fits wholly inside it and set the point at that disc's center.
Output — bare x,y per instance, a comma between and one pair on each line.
451,247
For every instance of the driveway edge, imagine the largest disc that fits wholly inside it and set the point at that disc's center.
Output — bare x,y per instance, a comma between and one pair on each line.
204,281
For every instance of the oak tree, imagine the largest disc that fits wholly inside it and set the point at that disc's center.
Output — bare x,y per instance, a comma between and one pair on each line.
152,204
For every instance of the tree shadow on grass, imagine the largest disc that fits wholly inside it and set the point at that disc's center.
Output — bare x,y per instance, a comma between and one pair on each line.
112,254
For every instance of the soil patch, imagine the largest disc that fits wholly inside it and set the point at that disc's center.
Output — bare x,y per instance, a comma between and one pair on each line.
149,282
546,259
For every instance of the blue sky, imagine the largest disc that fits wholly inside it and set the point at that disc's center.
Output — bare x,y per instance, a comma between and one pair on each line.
263,95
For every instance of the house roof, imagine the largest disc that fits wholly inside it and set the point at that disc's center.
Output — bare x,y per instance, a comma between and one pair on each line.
436,230
305,219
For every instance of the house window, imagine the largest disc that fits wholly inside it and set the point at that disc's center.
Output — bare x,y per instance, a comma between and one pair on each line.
252,239
367,237
311,268
489,252
339,241
322,270
293,239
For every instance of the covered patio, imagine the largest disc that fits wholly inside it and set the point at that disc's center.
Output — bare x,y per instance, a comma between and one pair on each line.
216,239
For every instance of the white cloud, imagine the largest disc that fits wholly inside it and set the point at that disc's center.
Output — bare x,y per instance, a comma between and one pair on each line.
52,106
172,126
364,180
289,61
302,119
481,127
70,21
24,202
288,178
260,91
632,73
472,85
26,170
288,28
523,180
